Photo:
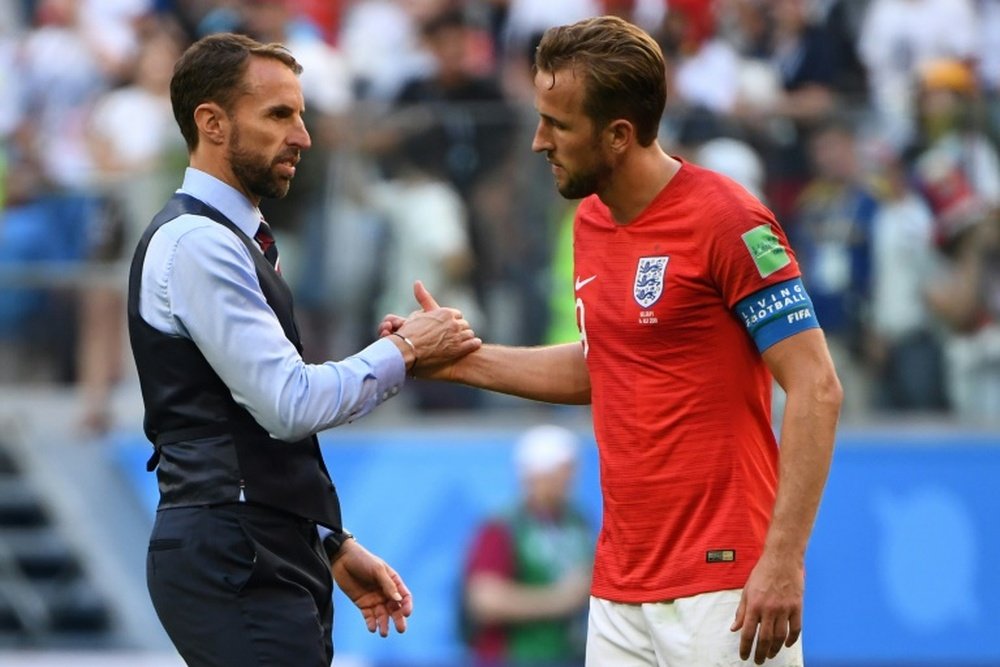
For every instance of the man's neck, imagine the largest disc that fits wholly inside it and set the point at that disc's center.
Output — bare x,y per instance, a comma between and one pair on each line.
636,182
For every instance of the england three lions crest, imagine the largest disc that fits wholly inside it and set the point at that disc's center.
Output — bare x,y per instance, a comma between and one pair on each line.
650,273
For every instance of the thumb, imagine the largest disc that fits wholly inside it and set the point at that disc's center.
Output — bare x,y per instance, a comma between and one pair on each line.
387,585
424,297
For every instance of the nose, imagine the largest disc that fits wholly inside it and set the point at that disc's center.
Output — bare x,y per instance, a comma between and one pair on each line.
540,142
300,138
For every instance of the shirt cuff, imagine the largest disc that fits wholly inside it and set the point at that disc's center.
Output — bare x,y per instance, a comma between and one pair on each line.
386,362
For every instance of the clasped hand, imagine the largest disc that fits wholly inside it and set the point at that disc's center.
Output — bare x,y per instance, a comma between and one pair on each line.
439,335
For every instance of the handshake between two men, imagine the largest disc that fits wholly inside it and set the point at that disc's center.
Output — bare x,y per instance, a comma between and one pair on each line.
430,339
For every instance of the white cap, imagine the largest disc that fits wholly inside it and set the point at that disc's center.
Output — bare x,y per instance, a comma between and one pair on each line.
543,449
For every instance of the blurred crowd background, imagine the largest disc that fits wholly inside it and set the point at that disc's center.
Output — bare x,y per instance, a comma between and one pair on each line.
869,126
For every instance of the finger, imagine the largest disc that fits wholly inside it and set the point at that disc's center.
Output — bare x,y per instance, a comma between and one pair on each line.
383,620
404,591
401,610
747,634
386,583
389,324
369,617
779,632
406,606
764,634
398,617
741,611
424,297
794,627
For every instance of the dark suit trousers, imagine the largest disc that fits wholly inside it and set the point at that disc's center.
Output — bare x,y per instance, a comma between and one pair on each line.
241,586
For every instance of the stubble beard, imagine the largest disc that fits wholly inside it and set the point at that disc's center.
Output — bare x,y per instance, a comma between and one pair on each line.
585,183
582,185
255,172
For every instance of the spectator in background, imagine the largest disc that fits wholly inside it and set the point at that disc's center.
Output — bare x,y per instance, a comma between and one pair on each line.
955,162
467,128
703,68
525,20
958,171
11,25
64,65
527,577
904,338
831,230
381,41
799,57
967,297
803,55
52,212
988,65
427,239
842,25
898,37
136,167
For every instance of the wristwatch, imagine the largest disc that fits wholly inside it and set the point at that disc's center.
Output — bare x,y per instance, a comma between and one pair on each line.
335,540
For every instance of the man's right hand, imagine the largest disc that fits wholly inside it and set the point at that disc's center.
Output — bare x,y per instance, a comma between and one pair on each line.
439,335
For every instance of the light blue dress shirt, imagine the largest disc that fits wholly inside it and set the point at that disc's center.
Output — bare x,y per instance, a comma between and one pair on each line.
199,282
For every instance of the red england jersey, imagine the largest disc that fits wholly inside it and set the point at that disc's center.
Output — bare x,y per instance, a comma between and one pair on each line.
681,397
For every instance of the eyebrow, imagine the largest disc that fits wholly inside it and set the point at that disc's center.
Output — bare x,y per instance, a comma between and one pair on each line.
551,119
282,108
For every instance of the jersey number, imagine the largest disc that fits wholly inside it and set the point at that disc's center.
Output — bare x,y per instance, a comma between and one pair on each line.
581,323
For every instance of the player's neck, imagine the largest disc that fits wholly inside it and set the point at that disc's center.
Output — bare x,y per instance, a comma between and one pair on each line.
636,182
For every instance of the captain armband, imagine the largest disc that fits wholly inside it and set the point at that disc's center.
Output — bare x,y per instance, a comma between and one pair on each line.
777,312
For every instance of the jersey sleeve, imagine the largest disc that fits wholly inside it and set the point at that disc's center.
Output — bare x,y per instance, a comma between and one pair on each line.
758,276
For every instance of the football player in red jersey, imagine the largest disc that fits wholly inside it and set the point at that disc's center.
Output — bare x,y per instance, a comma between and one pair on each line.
689,301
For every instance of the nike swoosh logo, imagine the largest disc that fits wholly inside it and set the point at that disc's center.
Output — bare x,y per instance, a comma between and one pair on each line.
580,284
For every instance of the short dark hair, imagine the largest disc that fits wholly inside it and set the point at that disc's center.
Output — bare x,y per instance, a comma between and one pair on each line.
622,67
211,70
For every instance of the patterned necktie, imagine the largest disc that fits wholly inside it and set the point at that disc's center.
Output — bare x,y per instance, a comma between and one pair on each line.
265,239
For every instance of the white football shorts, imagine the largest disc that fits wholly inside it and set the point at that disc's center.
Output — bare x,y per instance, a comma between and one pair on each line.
686,632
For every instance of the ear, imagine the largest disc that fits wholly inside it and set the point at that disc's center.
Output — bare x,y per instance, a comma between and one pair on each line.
213,122
619,135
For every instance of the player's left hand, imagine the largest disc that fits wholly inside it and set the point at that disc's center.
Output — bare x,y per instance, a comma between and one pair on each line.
770,608
376,589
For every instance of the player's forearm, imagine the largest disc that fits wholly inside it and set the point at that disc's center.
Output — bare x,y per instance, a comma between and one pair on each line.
554,374
807,437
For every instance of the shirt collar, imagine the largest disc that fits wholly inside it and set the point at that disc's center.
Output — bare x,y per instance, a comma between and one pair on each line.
224,198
